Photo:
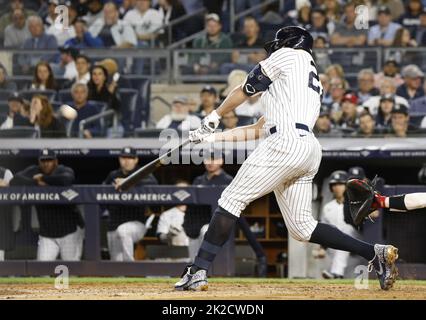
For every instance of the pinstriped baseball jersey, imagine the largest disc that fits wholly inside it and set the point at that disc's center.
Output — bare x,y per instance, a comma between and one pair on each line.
293,96
286,161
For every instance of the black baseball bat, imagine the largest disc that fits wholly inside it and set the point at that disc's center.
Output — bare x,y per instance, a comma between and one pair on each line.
141,173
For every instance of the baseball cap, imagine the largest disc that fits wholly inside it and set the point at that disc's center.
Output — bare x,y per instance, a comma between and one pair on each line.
209,89
213,16
15,96
338,176
180,99
400,108
350,97
412,71
47,154
387,97
356,173
383,9
128,152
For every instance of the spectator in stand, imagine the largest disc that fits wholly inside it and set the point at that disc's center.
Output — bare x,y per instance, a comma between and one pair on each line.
66,67
335,71
60,231
396,8
347,118
39,40
169,11
100,90
412,87
320,26
43,78
326,96
85,109
338,88
145,21
411,18
366,87
384,115
213,39
208,97
346,34
83,38
366,126
383,33
249,39
43,118
95,11
15,117
332,10
6,84
17,32
64,32
7,18
390,71
400,126
82,65
324,125
113,32
322,58
303,18
403,39
387,87
229,121
421,30
179,117
51,15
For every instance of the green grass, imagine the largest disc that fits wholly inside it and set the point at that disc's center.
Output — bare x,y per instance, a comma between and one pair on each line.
118,280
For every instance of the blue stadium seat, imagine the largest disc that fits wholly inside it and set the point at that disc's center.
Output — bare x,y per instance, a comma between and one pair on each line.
4,107
129,99
20,132
28,94
143,85
4,94
23,82
64,95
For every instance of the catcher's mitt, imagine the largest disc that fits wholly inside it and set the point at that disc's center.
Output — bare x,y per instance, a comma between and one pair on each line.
361,194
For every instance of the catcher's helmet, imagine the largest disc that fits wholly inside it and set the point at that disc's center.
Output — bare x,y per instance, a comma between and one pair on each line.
338,176
291,37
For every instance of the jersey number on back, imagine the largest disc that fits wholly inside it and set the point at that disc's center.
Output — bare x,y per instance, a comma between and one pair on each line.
313,75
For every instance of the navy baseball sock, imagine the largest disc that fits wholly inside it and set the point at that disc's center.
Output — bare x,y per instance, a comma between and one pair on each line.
220,228
331,237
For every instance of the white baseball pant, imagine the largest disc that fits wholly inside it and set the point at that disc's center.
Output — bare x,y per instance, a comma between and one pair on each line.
69,247
195,244
285,164
122,240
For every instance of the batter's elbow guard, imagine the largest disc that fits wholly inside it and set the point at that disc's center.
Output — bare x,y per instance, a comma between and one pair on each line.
256,82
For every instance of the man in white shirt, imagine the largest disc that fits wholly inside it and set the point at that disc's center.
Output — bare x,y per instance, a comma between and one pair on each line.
67,67
179,117
82,64
144,19
17,32
115,33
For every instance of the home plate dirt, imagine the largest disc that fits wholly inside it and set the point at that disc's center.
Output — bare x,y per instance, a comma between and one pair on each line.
223,288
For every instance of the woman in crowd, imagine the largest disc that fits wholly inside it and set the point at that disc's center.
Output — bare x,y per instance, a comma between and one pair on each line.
384,114
100,90
5,84
43,118
43,77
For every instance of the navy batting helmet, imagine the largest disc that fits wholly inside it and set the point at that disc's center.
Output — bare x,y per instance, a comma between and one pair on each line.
291,37
338,176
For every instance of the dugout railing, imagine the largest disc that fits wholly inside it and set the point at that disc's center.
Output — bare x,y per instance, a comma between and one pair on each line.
90,197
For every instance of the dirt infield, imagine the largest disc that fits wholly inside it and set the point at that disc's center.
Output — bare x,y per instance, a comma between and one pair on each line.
240,289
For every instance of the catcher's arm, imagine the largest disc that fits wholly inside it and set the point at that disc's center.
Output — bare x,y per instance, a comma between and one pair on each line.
250,132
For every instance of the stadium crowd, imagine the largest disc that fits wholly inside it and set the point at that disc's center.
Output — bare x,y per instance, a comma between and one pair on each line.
387,102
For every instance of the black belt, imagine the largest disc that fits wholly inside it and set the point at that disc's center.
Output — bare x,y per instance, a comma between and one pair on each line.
298,126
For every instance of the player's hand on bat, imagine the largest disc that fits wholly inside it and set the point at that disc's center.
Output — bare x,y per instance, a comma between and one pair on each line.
208,127
117,183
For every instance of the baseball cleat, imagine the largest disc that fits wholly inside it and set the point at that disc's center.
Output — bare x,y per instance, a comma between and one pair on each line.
329,275
195,282
387,272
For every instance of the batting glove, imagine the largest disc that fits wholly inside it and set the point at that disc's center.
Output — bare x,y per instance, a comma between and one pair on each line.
208,127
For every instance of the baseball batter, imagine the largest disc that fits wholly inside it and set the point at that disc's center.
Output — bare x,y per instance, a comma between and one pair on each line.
285,162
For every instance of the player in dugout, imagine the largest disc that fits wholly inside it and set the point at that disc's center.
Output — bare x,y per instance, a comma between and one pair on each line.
61,226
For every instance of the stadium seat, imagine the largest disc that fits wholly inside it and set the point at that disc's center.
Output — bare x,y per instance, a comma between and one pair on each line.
64,95
28,94
129,99
20,132
23,82
143,85
4,107
4,94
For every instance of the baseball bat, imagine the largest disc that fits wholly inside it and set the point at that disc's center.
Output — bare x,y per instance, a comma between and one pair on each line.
141,173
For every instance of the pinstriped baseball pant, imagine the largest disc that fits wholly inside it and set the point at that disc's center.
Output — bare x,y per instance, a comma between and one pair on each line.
285,165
